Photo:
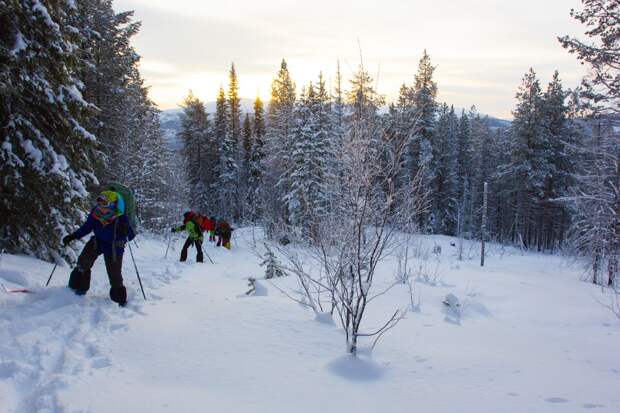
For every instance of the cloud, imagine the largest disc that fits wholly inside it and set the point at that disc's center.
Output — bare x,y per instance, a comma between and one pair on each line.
191,43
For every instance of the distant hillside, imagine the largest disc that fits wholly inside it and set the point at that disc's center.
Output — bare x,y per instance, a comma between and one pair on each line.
171,124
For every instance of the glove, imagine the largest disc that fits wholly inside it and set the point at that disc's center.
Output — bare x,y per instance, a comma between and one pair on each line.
173,230
66,240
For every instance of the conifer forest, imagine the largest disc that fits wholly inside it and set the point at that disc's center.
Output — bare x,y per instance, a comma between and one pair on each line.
428,221
75,113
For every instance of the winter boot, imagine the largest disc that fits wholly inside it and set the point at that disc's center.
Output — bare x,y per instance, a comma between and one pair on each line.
119,295
79,280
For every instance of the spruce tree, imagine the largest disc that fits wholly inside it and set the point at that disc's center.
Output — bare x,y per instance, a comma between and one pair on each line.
47,155
233,182
257,161
424,94
278,141
527,166
194,135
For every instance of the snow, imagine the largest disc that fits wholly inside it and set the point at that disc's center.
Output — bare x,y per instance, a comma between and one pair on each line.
37,6
20,44
530,337
80,130
33,153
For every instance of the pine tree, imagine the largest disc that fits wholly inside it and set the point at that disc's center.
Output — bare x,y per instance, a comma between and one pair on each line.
338,111
109,67
424,94
559,153
145,165
444,165
597,198
228,173
603,54
247,141
46,157
244,167
220,132
233,183
257,161
527,166
194,135
278,140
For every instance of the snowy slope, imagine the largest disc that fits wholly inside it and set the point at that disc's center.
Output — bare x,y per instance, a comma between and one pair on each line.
532,338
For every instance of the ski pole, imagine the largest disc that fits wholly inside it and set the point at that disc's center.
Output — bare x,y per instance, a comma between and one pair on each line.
167,248
50,279
136,267
205,252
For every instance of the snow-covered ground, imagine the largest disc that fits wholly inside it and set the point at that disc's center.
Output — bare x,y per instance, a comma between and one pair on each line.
532,338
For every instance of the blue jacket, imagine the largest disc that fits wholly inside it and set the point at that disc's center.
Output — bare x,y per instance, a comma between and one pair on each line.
115,233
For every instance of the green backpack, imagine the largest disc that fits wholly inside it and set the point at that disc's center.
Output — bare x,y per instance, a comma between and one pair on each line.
131,209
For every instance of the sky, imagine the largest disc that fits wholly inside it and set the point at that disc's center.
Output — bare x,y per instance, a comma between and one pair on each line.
481,48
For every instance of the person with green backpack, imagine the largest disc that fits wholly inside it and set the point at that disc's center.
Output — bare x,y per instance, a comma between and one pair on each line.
110,222
194,232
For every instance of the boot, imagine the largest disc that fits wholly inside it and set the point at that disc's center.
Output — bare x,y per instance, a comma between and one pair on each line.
79,280
119,295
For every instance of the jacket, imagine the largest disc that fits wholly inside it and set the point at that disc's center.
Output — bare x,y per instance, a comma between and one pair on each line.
192,229
116,233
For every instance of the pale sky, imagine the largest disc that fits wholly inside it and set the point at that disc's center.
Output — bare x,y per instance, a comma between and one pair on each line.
482,48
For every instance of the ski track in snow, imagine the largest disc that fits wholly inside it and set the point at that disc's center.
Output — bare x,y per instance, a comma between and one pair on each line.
199,341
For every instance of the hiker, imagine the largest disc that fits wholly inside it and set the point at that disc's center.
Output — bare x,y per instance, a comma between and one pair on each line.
194,232
211,228
112,231
223,232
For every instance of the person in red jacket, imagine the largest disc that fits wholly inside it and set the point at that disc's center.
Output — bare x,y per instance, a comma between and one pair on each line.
210,227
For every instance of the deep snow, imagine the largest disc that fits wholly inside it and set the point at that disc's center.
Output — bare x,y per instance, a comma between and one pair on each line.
532,338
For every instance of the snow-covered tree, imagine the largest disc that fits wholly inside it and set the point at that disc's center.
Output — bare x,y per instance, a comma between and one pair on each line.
602,54
277,142
424,101
227,182
194,134
526,167
47,155
232,183
257,162
596,194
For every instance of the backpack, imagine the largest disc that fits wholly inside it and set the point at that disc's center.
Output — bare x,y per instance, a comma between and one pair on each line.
129,201
198,220
205,223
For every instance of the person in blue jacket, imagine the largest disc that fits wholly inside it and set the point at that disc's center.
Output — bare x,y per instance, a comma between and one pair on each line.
112,231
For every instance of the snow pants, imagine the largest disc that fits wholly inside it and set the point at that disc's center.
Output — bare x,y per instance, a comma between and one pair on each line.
79,280
224,239
188,243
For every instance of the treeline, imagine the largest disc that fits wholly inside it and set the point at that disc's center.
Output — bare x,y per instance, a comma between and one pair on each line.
74,115
279,167
547,172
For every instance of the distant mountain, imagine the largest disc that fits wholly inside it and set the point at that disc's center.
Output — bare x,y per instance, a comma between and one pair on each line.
497,123
171,123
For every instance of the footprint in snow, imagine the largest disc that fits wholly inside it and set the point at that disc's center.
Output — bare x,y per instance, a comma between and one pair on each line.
119,326
556,400
101,363
592,405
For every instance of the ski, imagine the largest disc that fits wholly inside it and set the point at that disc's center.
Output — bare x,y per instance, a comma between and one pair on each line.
15,290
